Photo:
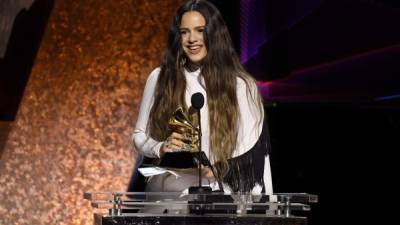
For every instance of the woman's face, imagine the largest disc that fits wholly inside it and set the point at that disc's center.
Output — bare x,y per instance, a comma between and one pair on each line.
191,29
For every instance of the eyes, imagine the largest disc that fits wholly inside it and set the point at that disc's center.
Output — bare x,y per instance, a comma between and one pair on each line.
186,31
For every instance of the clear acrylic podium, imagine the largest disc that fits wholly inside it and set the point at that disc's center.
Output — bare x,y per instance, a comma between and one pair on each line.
170,208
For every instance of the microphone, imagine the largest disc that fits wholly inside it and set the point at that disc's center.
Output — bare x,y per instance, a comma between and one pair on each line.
197,100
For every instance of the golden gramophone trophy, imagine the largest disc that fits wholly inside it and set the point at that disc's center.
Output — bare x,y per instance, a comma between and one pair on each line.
184,124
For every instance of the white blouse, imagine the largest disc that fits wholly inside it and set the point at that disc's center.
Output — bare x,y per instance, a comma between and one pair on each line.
249,125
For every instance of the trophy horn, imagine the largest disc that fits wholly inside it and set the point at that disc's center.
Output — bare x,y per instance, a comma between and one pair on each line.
179,122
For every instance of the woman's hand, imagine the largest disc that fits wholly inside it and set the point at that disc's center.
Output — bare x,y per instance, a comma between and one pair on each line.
207,172
174,143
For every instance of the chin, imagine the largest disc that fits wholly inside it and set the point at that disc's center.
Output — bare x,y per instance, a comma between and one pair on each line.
196,60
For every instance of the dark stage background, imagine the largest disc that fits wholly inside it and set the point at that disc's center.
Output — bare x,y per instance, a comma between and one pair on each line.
328,71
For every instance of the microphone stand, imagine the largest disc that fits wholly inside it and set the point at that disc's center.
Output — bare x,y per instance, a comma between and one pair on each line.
200,203
200,189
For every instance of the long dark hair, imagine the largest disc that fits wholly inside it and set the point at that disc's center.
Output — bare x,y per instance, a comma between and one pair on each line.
220,70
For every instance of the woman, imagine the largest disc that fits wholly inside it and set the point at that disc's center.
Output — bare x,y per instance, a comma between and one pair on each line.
200,58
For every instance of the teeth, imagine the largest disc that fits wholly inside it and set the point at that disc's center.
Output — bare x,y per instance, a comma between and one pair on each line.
194,47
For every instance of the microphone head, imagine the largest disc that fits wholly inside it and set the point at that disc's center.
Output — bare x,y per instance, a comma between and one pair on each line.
197,100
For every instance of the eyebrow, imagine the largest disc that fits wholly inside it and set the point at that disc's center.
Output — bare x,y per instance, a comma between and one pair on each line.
185,28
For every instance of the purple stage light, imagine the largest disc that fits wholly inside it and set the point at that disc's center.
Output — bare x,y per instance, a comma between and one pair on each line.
253,32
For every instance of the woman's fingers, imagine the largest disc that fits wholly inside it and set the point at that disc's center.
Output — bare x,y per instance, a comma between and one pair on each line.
176,143
173,143
177,136
207,172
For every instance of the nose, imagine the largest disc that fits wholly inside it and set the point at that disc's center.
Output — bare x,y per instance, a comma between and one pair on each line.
192,38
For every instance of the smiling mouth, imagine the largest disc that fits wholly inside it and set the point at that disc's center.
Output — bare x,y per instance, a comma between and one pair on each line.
195,49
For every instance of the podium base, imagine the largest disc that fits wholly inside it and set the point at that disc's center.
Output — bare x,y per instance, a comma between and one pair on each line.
200,190
197,220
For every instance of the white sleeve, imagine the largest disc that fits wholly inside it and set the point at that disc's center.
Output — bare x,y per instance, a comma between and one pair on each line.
250,120
250,127
267,177
142,141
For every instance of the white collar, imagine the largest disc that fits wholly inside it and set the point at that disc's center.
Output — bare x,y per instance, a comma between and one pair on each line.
195,73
